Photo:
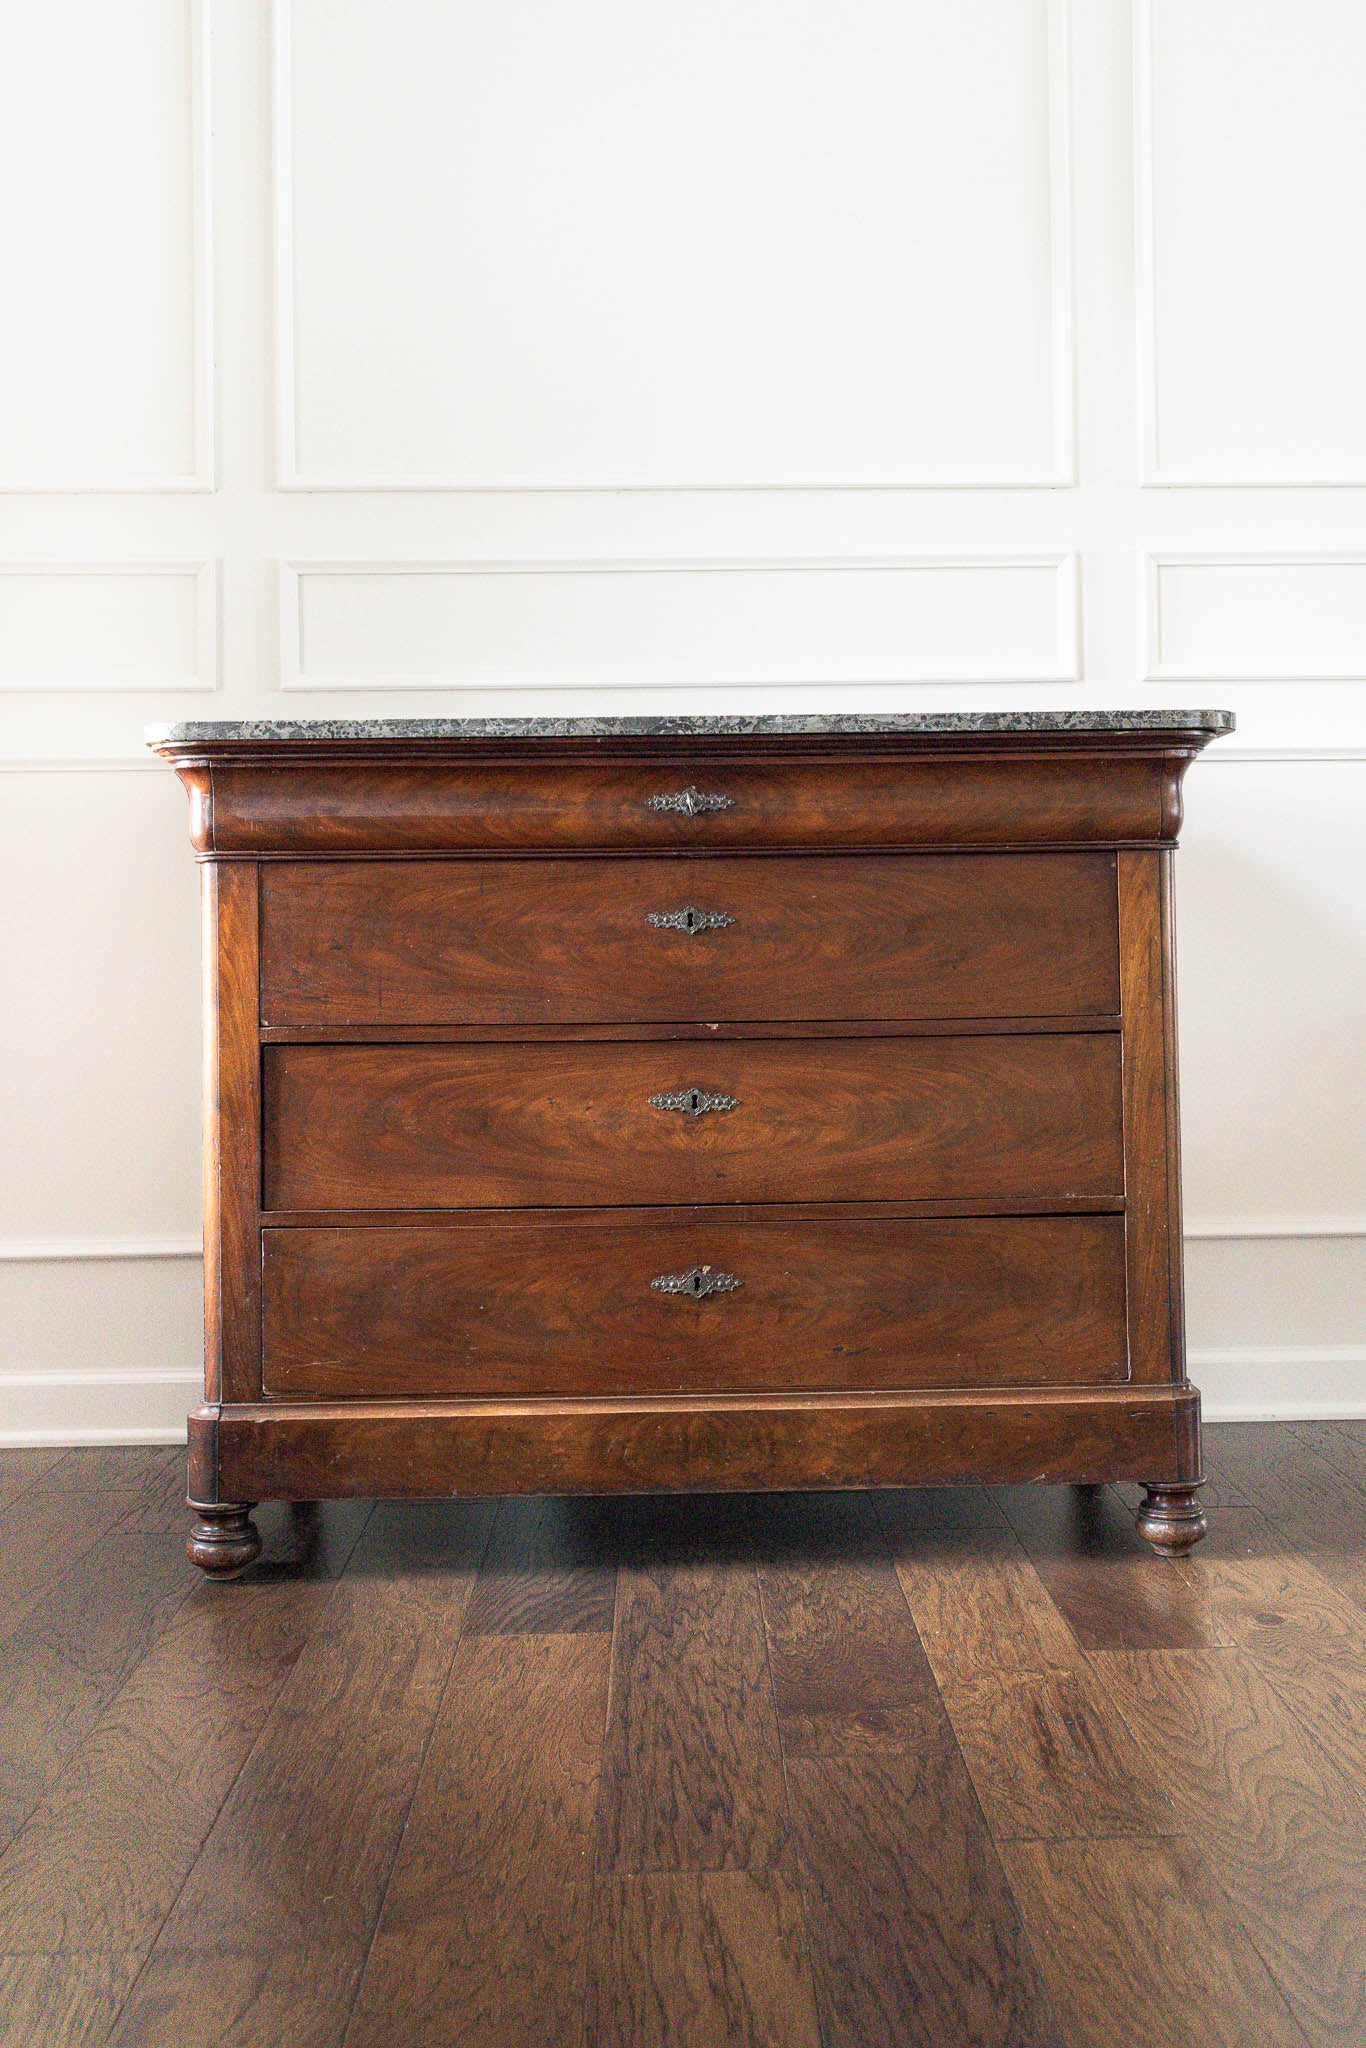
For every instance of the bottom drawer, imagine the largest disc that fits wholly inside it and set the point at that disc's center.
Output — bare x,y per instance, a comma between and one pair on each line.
573,1306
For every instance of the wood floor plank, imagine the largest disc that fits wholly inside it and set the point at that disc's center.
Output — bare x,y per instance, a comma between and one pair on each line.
1317,1506
708,1959
1111,1589
301,1851
1050,1762
977,1601
60,1668
42,1536
159,1501
61,2001
483,1935
550,1567
1339,1444
1259,1458
1257,1584
99,1864
224,1998
692,1766
1323,1684
1137,1942
415,1738
113,1468
22,1470
307,1539
1219,1441
1280,1830
916,1941
849,1672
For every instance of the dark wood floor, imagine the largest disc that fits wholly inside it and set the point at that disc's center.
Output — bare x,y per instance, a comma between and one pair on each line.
942,1768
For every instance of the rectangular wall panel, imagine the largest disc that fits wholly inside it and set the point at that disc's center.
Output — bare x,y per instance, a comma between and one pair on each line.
1251,124
106,343
1230,618
627,243
99,1022
1271,943
437,625
128,626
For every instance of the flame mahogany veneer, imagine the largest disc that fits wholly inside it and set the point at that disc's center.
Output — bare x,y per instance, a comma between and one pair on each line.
599,1110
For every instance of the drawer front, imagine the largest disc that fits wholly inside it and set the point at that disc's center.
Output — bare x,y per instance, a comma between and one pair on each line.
469,1126
691,800
635,941
572,1306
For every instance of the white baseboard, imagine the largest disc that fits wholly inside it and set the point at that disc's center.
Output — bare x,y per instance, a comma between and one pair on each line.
96,1407
1271,1383
1255,1385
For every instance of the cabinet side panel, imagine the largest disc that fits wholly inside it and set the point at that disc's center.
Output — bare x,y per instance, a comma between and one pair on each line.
1176,1260
213,1259
1152,1251
232,1135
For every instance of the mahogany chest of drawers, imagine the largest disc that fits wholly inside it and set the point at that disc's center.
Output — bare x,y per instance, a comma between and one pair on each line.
689,1104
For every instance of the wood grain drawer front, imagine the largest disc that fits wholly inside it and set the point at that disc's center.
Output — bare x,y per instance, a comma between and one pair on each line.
572,1306
633,941
695,800
460,1126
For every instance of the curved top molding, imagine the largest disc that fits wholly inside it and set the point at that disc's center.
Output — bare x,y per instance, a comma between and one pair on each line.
668,786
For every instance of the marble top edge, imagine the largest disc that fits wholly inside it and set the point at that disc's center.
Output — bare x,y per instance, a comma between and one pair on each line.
266,730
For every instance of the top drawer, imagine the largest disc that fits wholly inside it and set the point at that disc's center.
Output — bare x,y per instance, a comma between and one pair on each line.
690,802
516,942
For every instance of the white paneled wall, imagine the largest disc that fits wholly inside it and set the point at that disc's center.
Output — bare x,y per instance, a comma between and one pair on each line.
615,625
663,247
106,347
112,625
499,355
1252,279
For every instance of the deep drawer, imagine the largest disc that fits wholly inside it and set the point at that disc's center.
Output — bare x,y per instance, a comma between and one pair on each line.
461,1126
572,1306
634,941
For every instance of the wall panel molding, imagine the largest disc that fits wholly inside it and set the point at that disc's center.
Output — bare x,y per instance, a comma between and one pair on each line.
60,1250
1160,665
1145,248
1236,757
1253,1229
200,475
1060,472
67,1250
79,764
762,600
1154,471
149,1407
121,678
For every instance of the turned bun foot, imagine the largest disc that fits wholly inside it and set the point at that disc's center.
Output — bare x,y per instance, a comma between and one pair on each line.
223,1539
1172,1519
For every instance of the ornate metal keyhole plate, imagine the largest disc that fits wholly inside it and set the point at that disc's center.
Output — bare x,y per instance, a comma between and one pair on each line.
697,1284
689,919
689,802
694,1102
